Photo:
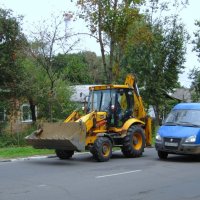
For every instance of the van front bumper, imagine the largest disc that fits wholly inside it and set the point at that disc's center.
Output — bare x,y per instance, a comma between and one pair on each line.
190,149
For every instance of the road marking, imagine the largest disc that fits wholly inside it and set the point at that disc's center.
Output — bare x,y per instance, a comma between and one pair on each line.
117,174
42,185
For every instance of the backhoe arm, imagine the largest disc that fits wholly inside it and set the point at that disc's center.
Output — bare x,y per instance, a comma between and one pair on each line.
139,110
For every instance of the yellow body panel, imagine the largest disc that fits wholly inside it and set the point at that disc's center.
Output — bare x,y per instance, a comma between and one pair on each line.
148,131
101,116
131,121
130,80
115,129
88,120
73,117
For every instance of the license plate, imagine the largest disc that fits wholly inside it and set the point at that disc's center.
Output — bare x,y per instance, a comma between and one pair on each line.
171,144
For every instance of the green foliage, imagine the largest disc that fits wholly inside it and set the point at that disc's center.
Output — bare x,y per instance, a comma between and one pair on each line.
195,76
80,68
11,42
195,72
74,68
60,101
156,58
94,67
196,41
53,104
17,139
109,21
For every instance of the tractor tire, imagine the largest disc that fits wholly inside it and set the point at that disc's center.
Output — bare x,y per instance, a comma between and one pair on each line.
64,154
162,155
102,149
133,142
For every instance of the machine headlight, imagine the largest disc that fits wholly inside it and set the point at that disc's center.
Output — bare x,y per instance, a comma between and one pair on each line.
191,139
158,138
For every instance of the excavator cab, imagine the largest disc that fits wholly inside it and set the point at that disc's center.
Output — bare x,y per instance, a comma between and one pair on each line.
116,102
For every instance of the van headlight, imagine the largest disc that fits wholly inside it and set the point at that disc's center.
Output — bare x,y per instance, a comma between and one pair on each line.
191,139
158,138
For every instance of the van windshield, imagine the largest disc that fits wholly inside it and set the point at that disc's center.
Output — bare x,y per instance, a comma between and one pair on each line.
183,117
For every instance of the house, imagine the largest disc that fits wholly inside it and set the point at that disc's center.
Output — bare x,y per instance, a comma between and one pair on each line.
21,117
183,94
80,92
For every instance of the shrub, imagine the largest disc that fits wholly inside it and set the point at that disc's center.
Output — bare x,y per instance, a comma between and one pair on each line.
16,139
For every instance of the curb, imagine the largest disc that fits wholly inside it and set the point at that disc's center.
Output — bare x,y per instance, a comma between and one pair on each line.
35,157
26,158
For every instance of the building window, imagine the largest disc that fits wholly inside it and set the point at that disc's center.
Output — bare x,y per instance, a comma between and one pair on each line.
26,113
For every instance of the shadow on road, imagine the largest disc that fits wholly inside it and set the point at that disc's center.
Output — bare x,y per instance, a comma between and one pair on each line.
181,158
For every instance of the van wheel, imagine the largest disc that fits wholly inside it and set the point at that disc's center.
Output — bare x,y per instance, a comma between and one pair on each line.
134,142
64,154
102,149
162,155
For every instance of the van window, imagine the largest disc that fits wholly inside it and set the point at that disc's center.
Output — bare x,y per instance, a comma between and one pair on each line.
184,117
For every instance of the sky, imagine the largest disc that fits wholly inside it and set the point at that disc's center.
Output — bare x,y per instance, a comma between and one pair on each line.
37,10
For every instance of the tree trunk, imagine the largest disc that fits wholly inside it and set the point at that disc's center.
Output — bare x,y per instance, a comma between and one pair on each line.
110,69
33,111
157,115
101,43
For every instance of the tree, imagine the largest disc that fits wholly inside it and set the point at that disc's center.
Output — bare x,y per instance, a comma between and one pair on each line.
195,76
195,72
73,68
80,68
49,39
35,88
158,59
95,68
196,41
34,85
109,21
12,41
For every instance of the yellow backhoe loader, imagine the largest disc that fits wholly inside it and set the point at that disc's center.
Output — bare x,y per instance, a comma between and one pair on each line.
114,117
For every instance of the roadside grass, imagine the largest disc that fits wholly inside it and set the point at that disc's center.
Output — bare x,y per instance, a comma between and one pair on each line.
20,152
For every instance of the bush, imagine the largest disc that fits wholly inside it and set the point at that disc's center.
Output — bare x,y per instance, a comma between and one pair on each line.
16,139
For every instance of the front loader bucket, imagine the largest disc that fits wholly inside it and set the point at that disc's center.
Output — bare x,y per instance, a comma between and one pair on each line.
65,136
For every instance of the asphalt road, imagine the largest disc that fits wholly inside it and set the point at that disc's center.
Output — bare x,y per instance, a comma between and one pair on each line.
82,178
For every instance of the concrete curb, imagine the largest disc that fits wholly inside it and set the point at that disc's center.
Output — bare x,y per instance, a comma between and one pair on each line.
26,158
35,157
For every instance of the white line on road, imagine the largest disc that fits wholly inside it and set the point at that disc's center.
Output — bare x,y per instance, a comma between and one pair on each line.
122,173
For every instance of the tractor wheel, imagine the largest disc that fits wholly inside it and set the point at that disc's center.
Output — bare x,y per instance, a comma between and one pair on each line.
64,154
134,142
162,155
102,149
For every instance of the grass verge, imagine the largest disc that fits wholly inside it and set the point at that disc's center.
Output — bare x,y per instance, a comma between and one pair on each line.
20,152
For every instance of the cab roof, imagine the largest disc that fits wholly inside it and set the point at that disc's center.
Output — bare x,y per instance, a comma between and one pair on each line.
106,87
190,106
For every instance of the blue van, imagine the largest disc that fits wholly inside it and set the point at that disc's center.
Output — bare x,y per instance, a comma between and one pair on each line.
180,132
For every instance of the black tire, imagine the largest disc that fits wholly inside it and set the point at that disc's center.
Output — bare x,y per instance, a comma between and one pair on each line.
102,149
64,154
162,155
133,142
